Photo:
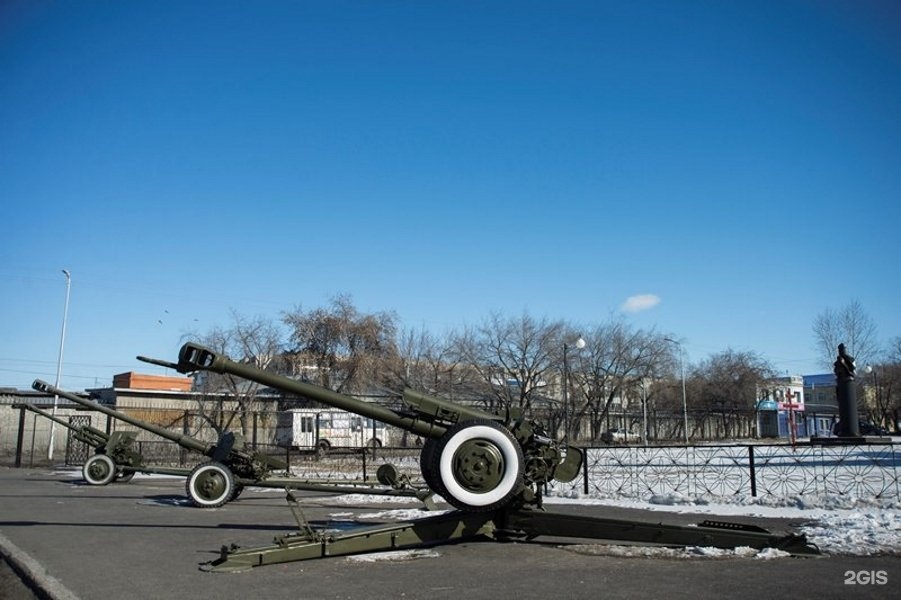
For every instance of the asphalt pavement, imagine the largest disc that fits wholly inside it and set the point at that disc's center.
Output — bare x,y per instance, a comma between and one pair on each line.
144,540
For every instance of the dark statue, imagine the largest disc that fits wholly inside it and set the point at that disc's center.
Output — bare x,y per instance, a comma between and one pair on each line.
844,364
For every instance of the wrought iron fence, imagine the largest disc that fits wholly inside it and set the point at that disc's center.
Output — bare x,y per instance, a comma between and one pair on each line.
863,471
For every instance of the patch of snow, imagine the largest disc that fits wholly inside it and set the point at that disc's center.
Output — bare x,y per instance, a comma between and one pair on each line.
393,556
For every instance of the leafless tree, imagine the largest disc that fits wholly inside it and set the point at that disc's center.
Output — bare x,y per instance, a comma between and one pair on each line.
616,362
222,398
850,325
344,347
885,377
729,380
428,363
514,358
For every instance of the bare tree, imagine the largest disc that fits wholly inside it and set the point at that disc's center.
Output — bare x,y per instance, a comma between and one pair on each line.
616,362
514,358
885,378
729,380
429,363
344,346
223,397
851,326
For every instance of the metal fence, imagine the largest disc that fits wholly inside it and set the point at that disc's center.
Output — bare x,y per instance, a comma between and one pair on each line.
778,470
861,471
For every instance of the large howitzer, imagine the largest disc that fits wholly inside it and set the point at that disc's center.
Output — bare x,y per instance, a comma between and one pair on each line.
115,456
492,467
476,460
210,484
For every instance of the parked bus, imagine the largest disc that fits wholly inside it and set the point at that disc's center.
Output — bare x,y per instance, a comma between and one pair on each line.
323,431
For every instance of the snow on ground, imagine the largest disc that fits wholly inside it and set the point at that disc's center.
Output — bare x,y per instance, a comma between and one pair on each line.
837,525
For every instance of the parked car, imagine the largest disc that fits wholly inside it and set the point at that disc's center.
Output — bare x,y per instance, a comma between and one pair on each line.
864,428
620,436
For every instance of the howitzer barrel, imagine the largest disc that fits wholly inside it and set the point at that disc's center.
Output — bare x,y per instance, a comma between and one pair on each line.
51,417
182,440
193,357
90,434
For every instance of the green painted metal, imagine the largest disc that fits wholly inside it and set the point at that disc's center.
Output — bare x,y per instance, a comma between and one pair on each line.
478,461
229,449
501,525
118,446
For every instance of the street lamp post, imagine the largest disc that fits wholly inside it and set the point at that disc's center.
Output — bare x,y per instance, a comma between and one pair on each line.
684,400
59,362
644,412
579,344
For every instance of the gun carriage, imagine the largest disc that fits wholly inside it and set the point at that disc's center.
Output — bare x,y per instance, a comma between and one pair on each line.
115,455
491,467
213,483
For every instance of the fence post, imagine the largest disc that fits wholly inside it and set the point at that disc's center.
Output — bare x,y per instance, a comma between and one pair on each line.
753,471
585,472
288,458
20,439
363,454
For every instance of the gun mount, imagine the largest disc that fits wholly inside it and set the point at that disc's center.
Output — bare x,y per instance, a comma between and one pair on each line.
113,452
210,484
476,460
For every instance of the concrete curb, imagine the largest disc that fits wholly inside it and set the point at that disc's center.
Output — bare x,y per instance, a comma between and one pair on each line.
33,572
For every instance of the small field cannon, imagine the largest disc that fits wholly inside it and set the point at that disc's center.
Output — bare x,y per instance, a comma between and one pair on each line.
210,484
476,460
112,452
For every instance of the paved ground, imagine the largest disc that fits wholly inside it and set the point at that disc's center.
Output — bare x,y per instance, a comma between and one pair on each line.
140,540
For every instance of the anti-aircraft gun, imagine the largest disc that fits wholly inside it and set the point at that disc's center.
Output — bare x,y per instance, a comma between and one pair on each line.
210,484
491,467
115,456
476,460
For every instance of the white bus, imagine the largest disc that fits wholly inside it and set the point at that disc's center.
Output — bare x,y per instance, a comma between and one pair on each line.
322,431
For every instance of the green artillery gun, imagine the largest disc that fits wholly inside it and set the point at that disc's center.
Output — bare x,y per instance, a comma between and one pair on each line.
114,456
491,467
210,484
476,460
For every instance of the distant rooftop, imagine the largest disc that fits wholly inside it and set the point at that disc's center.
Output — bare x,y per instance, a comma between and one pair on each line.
825,379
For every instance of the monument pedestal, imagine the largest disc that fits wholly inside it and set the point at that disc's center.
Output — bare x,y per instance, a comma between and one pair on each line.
850,440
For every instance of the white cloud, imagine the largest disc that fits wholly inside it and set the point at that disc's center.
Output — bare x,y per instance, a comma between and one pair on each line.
641,302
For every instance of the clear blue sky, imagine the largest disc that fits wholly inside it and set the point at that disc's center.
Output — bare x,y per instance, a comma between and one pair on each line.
739,161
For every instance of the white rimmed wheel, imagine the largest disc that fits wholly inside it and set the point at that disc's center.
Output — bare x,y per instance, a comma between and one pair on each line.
99,470
477,466
210,485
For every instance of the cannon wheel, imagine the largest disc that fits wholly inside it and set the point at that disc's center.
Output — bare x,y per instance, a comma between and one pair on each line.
477,466
426,456
123,477
99,470
210,485
238,489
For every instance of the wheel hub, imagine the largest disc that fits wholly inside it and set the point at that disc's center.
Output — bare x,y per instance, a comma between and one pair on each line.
211,485
478,465
98,469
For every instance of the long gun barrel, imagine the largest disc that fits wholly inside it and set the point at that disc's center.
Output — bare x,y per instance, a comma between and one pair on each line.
476,460
182,440
84,433
430,416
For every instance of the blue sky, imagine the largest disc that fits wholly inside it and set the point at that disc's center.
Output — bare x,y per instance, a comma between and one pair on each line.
739,161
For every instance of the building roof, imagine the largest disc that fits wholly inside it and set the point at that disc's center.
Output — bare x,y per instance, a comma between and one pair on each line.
141,381
822,380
